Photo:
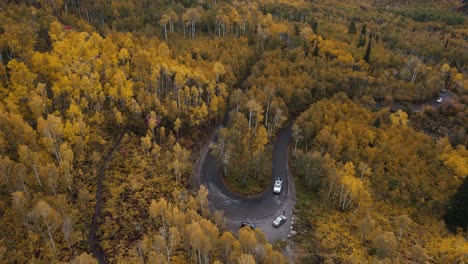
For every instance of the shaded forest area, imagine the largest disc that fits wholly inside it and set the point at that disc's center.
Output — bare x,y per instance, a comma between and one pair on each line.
74,74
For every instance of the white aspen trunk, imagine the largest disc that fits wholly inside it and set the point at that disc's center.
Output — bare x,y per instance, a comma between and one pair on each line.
343,206
36,174
193,28
168,252
415,74
256,122
51,238
56,149
363,171
164,224
349,202
178,98
68,239
68,179
330,190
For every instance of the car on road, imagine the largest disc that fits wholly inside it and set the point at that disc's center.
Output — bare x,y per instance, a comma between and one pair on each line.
249,224
440,100
279,220
278,185
443,91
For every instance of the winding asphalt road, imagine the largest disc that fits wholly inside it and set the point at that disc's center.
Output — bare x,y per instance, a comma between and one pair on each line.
262,209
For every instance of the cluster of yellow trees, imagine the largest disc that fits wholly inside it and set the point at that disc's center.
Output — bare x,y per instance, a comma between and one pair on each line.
380,186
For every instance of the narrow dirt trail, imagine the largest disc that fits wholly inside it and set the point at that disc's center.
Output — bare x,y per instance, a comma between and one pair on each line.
93,242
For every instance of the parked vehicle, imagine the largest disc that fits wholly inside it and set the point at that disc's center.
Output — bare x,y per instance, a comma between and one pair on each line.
249,224
279,220
440,100
278,185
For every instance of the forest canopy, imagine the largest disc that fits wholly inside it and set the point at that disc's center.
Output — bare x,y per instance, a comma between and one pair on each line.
105,105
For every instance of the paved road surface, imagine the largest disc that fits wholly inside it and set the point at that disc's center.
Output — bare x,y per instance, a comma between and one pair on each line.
416,107
261,209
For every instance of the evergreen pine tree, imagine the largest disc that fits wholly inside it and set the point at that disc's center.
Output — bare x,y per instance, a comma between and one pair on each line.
368,49
352,26
457,213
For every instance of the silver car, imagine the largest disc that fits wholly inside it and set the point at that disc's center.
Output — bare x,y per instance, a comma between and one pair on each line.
278,185
279,220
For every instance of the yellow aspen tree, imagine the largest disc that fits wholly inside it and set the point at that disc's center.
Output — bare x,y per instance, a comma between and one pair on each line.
403,221
84,258
163,21
28,158
6,167
177,126
196,238
226,245
146,143
219,70
159,209
156,258
202,200
19,177
247,240
173,242
52,130
67,229
399,118
49,219
180,164
246,259
21,80
19,206
367,227
36,105
49,172
67,164
386,245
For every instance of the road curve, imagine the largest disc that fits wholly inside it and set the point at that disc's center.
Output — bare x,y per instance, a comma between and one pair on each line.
261,209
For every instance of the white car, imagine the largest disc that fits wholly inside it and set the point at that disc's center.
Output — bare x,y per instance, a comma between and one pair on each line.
279,220
440,100
278,185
